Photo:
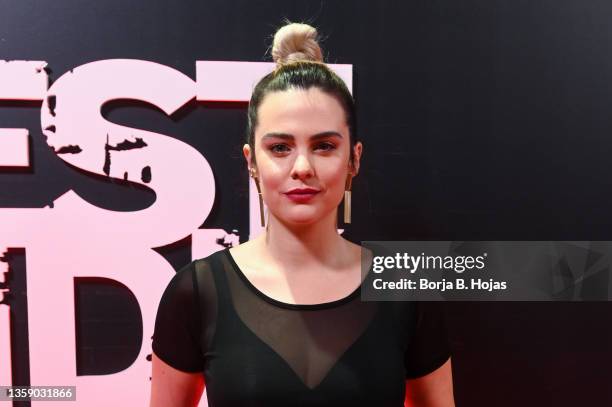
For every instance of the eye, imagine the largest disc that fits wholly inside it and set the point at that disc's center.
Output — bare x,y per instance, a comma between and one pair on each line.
279,148
325,146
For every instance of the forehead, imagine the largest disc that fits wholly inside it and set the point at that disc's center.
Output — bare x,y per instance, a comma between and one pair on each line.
301,112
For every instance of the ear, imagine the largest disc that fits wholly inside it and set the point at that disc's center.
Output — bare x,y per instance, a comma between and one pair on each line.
357,151
247,153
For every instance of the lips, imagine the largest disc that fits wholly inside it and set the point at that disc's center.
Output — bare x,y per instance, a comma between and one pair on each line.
301,195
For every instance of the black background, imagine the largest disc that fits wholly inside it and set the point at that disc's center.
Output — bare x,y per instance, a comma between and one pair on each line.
481,120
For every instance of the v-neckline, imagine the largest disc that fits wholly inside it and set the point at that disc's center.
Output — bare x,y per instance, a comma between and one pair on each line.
331,306
287,365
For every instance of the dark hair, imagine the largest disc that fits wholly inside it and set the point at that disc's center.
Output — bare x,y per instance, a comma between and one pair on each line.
301,74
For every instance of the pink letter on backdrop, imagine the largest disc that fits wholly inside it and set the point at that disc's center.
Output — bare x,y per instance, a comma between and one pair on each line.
5,332
233,81
73,238
76,239
5,347
19,80
23,80
14,148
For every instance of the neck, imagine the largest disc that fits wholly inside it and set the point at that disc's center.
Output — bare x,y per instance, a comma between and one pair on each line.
302,246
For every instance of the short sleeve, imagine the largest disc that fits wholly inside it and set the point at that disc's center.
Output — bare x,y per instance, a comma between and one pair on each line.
176,338
428,348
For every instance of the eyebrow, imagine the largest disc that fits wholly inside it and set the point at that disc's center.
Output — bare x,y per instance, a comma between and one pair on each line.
287,136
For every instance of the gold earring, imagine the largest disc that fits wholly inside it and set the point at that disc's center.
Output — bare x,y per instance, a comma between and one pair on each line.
347,199
261,204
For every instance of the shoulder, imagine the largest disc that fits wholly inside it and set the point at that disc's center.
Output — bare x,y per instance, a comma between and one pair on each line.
189,277
209,263
210,272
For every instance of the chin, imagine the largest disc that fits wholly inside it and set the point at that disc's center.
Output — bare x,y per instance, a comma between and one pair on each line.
301,218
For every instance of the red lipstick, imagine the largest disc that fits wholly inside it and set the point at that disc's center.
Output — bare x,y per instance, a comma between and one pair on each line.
301,195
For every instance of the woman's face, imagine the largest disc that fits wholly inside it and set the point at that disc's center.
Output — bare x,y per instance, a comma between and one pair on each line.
302,154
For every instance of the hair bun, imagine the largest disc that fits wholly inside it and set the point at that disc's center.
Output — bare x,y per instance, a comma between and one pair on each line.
296,42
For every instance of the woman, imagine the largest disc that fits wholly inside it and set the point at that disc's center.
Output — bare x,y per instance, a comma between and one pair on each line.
278,321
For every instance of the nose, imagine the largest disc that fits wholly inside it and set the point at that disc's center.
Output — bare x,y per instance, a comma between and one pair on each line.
302,169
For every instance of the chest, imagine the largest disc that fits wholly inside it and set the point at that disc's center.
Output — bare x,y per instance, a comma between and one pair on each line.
306,372
338,356
310,287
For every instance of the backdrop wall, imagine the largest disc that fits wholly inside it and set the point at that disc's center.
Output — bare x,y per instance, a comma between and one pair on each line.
481,120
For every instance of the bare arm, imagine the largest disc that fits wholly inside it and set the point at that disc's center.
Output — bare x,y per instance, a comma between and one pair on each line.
171,387
432,390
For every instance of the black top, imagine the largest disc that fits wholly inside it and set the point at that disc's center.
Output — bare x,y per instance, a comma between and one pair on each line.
257,351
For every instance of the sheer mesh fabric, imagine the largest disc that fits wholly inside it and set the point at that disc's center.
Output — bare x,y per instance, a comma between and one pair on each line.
309,338
256,351
186,318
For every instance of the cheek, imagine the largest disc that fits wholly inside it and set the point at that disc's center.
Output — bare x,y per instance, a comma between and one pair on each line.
334,179
333,171
272,178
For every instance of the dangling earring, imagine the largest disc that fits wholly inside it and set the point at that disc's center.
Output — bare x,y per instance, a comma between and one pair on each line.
347,199
261,204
